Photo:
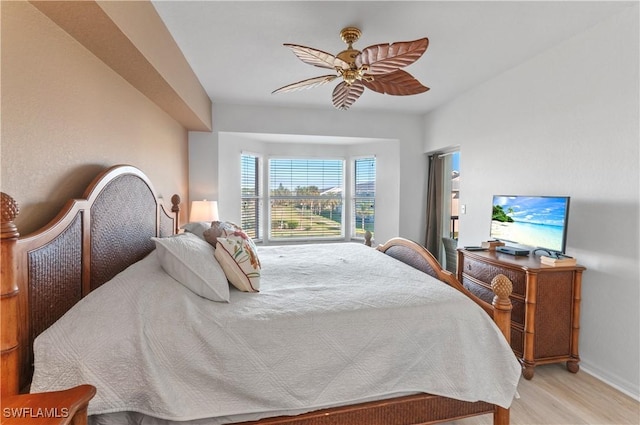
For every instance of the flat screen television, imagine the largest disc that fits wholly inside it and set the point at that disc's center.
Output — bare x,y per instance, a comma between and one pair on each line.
534,221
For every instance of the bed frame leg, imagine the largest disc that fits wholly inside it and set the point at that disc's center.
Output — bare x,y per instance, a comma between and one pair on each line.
10,346
501,416
502,287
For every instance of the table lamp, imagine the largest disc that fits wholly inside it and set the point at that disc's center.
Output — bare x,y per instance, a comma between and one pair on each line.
203,211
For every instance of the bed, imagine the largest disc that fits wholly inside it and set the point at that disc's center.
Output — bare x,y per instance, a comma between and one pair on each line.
89,248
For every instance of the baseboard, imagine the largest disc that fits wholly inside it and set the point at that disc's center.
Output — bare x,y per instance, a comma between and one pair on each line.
621,385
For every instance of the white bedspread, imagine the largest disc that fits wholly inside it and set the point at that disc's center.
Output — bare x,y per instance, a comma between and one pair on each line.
332,324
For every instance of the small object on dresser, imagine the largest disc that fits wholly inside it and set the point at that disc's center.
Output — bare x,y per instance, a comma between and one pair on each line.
492,245
563,261
474,248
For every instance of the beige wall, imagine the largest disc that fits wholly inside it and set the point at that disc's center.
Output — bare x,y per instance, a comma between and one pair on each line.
66,116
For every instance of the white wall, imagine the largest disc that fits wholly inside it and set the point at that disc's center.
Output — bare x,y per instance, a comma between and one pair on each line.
566,123
402,164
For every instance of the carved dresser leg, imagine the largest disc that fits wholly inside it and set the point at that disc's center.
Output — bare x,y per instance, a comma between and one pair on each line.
573,366
527,372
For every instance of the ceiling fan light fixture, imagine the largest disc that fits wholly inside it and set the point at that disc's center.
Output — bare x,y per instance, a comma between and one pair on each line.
361,69
352,75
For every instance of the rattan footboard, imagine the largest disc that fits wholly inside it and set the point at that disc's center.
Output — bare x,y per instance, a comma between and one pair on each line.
409,410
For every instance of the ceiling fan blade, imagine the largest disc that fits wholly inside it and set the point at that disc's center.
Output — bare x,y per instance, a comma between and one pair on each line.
398,83
386,58
317,57
344,95
306,84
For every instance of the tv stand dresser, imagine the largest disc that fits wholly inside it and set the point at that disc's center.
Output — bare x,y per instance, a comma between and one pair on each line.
545,320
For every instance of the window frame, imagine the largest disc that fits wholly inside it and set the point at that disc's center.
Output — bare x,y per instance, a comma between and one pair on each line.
258,198
348,198
354,197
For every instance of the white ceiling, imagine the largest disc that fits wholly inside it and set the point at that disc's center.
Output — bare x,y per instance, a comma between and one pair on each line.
235,47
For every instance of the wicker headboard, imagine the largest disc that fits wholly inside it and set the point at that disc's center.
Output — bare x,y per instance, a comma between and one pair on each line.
91,240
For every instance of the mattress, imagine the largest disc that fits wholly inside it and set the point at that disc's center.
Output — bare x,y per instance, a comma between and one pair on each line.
333,324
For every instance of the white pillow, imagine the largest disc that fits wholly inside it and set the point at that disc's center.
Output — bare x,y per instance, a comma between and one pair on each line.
197,228
189,260
238,257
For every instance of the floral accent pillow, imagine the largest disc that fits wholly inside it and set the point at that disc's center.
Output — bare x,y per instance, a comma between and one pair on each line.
238,257
219,229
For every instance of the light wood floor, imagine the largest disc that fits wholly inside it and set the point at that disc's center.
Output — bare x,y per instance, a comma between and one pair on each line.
557,397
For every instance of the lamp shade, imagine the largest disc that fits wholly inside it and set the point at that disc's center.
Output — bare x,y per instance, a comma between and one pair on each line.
203,211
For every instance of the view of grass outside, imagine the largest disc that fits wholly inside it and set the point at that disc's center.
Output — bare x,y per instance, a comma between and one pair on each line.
306,218
316,218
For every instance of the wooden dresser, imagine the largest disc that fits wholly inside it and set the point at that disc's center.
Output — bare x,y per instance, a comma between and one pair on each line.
545,321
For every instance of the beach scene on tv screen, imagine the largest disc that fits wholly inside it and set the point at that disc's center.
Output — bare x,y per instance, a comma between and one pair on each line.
529,220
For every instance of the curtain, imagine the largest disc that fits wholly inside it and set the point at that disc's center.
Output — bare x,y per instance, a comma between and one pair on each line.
433,237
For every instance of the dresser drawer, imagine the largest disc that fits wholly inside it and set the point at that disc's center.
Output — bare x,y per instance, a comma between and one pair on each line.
486,294
485,272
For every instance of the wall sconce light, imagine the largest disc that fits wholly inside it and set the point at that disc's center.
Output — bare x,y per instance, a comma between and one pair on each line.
204,211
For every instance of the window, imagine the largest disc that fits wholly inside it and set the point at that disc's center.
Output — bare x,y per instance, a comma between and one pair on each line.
364,196
306,198
250,196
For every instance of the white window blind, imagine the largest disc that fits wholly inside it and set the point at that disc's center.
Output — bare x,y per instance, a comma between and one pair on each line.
306,198
250,197
364,199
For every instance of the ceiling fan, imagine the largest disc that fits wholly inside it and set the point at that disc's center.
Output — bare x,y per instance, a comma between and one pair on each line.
376,67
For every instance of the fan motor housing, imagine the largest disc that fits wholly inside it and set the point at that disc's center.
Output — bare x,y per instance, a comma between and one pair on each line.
349,56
